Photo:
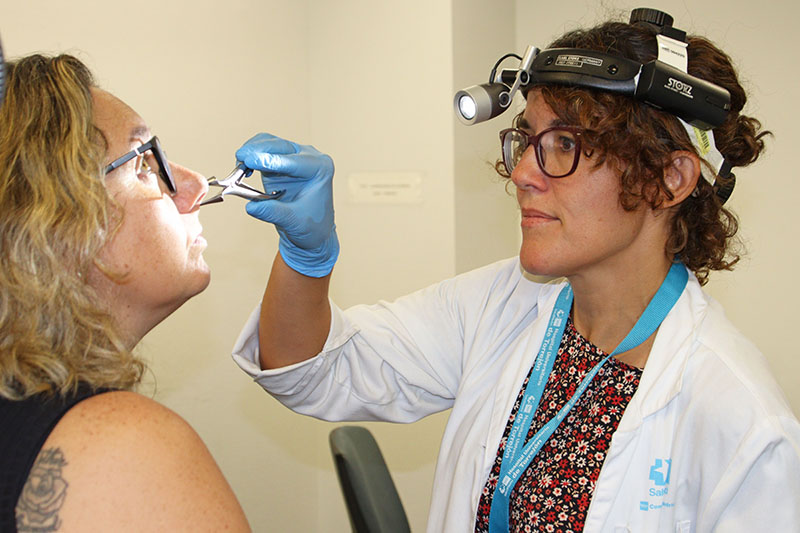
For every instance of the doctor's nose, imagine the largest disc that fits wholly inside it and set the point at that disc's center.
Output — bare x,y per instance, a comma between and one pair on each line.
527,173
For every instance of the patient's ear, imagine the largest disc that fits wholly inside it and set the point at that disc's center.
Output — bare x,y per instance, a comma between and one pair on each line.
681,175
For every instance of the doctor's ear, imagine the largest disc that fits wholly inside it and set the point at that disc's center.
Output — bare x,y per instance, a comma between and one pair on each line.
680,176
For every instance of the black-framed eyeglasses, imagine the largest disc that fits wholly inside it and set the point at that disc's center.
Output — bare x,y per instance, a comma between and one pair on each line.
557,149
159,163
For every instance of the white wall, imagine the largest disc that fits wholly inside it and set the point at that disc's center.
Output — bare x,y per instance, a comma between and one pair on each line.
380,75
371,82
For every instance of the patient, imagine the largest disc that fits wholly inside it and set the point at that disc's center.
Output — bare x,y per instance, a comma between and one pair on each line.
100,241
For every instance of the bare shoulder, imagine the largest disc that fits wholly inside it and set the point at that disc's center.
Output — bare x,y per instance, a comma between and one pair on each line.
123,462
116,417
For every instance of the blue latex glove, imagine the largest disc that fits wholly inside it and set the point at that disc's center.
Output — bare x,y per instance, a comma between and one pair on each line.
303,216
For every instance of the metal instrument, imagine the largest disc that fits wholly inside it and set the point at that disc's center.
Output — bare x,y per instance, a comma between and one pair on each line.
233,185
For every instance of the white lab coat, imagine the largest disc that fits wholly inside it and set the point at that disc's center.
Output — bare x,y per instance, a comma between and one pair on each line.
708,442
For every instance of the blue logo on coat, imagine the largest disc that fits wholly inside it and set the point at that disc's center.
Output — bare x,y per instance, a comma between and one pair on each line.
657,475
660,473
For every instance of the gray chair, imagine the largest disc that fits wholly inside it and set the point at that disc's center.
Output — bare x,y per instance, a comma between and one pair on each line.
373,503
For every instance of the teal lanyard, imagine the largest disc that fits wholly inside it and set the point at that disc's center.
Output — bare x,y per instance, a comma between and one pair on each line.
518,455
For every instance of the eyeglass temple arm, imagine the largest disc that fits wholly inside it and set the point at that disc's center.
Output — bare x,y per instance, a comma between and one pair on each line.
130,155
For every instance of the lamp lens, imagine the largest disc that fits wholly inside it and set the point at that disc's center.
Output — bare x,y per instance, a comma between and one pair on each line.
467,107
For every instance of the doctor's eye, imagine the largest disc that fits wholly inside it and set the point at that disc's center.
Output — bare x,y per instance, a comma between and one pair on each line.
566,143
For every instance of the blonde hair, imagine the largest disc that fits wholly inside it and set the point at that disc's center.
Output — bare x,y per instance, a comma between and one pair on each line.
55,217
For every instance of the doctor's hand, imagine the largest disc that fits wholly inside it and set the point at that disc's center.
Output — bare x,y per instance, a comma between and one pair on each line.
303,216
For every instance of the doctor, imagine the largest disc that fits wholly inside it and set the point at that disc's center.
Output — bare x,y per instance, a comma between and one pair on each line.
617,397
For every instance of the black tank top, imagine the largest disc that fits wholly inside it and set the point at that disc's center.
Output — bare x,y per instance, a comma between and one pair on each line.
24,427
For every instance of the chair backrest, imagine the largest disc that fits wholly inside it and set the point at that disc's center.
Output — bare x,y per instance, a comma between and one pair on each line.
373,503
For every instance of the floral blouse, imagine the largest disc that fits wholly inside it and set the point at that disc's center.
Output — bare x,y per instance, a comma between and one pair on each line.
554,492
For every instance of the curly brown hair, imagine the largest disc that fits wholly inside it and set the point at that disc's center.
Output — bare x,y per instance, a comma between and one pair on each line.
643,138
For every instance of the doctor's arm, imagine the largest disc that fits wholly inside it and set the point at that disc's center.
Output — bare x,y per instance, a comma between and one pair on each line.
295,312
295,316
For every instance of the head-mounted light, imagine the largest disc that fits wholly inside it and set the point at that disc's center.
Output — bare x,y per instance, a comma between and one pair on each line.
479,103
663,83
656,83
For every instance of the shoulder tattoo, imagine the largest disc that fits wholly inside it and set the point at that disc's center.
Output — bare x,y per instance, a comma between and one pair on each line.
43,494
